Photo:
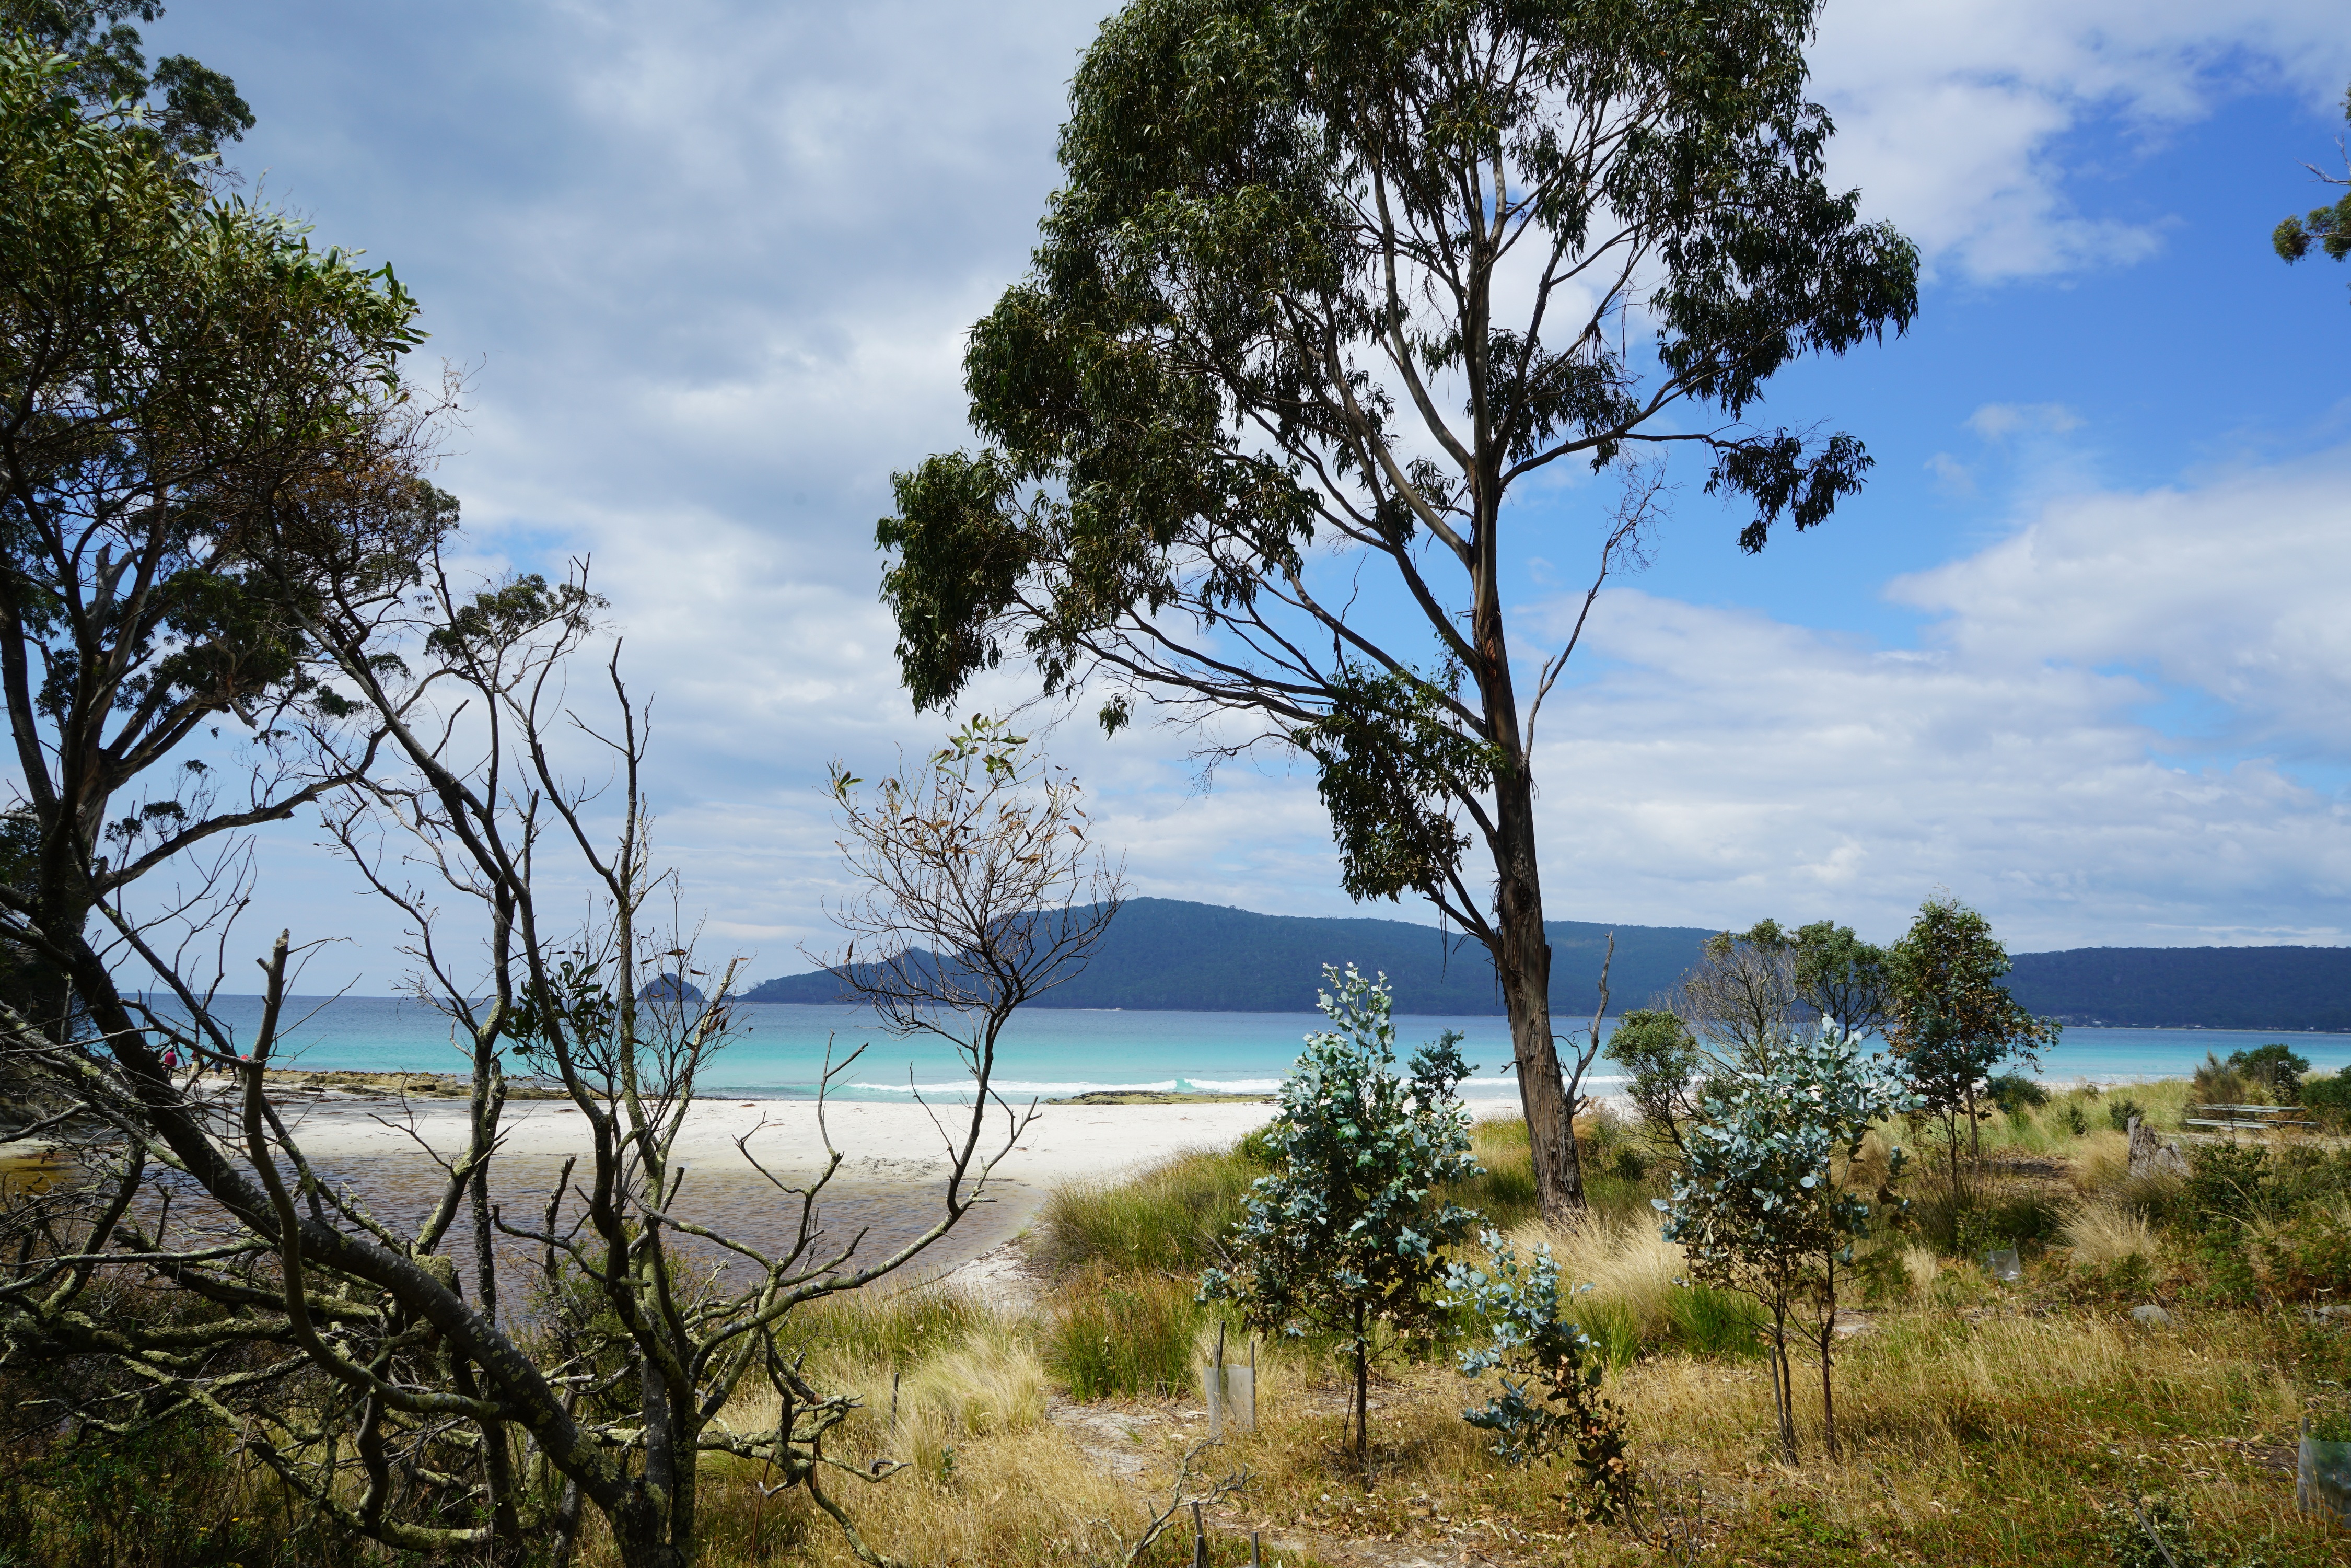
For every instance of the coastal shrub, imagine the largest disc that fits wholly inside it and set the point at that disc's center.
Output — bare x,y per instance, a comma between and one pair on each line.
2218,1083
2276,1069
1116,1333
2017,1094
2121,1108
162,1496
2328,1099
2307,1255
1348,1233
1532,1345
1659,1057
2229,1185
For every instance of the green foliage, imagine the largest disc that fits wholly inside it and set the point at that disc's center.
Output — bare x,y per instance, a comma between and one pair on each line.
1532,1345
1659,1056
900,1329
2015,1093
2329,227
167,1495
199,107
1952,1021
1841,976
1348,1231
2275,1068
196,396
2229,1185
1179,1215
2307,1257
1393,762
2329,1099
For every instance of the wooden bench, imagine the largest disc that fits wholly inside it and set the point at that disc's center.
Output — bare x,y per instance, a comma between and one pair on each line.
2249,1118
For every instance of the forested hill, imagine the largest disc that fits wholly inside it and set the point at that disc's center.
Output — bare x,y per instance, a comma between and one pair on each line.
2189,988
1164,953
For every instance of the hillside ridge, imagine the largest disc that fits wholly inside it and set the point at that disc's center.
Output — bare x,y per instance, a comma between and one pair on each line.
1171,954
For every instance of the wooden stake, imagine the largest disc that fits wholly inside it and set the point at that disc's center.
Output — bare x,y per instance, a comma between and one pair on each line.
1199,1540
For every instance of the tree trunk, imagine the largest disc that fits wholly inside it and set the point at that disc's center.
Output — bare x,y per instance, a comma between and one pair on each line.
1522,962
1828,1338
1362,1397
1783,1383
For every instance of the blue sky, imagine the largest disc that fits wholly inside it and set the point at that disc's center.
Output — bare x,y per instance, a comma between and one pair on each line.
2079,654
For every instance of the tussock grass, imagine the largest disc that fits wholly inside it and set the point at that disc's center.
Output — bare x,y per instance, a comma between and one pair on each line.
1115,1333
1173,1216
2102,1232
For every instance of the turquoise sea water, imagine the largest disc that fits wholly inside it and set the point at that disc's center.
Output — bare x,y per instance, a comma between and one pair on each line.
780,1050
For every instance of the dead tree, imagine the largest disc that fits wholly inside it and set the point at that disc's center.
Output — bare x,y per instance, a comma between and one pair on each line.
377,1369
977,888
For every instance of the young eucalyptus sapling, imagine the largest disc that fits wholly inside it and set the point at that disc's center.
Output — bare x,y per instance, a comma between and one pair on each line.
1764,1202
1347,1233
1532,1344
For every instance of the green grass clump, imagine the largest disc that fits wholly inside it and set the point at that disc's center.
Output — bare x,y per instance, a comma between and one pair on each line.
902,1328
1116,1333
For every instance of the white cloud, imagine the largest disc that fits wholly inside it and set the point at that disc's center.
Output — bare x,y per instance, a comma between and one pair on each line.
1951,113
1955,478
1731,766
1998,420
715,262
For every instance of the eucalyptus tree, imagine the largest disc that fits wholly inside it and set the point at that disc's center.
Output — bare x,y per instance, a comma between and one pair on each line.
2327,227
1841,976
1742,997
190,108
205,437
1660,1057
1333,278
1765,1202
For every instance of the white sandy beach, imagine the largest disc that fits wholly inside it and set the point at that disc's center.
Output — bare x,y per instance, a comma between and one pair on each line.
882,1141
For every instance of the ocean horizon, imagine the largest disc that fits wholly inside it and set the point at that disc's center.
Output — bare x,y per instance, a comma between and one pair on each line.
780,1049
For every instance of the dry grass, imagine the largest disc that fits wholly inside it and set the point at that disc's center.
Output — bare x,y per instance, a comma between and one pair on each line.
1920,1267
1981,1427
2101,1232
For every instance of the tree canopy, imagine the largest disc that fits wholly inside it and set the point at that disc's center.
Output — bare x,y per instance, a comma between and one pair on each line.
1325,278
2327,227
188,106
206,452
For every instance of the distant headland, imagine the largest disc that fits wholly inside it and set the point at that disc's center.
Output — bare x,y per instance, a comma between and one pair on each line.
1167,955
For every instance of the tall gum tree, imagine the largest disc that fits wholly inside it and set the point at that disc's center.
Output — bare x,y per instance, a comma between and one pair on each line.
1324,274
